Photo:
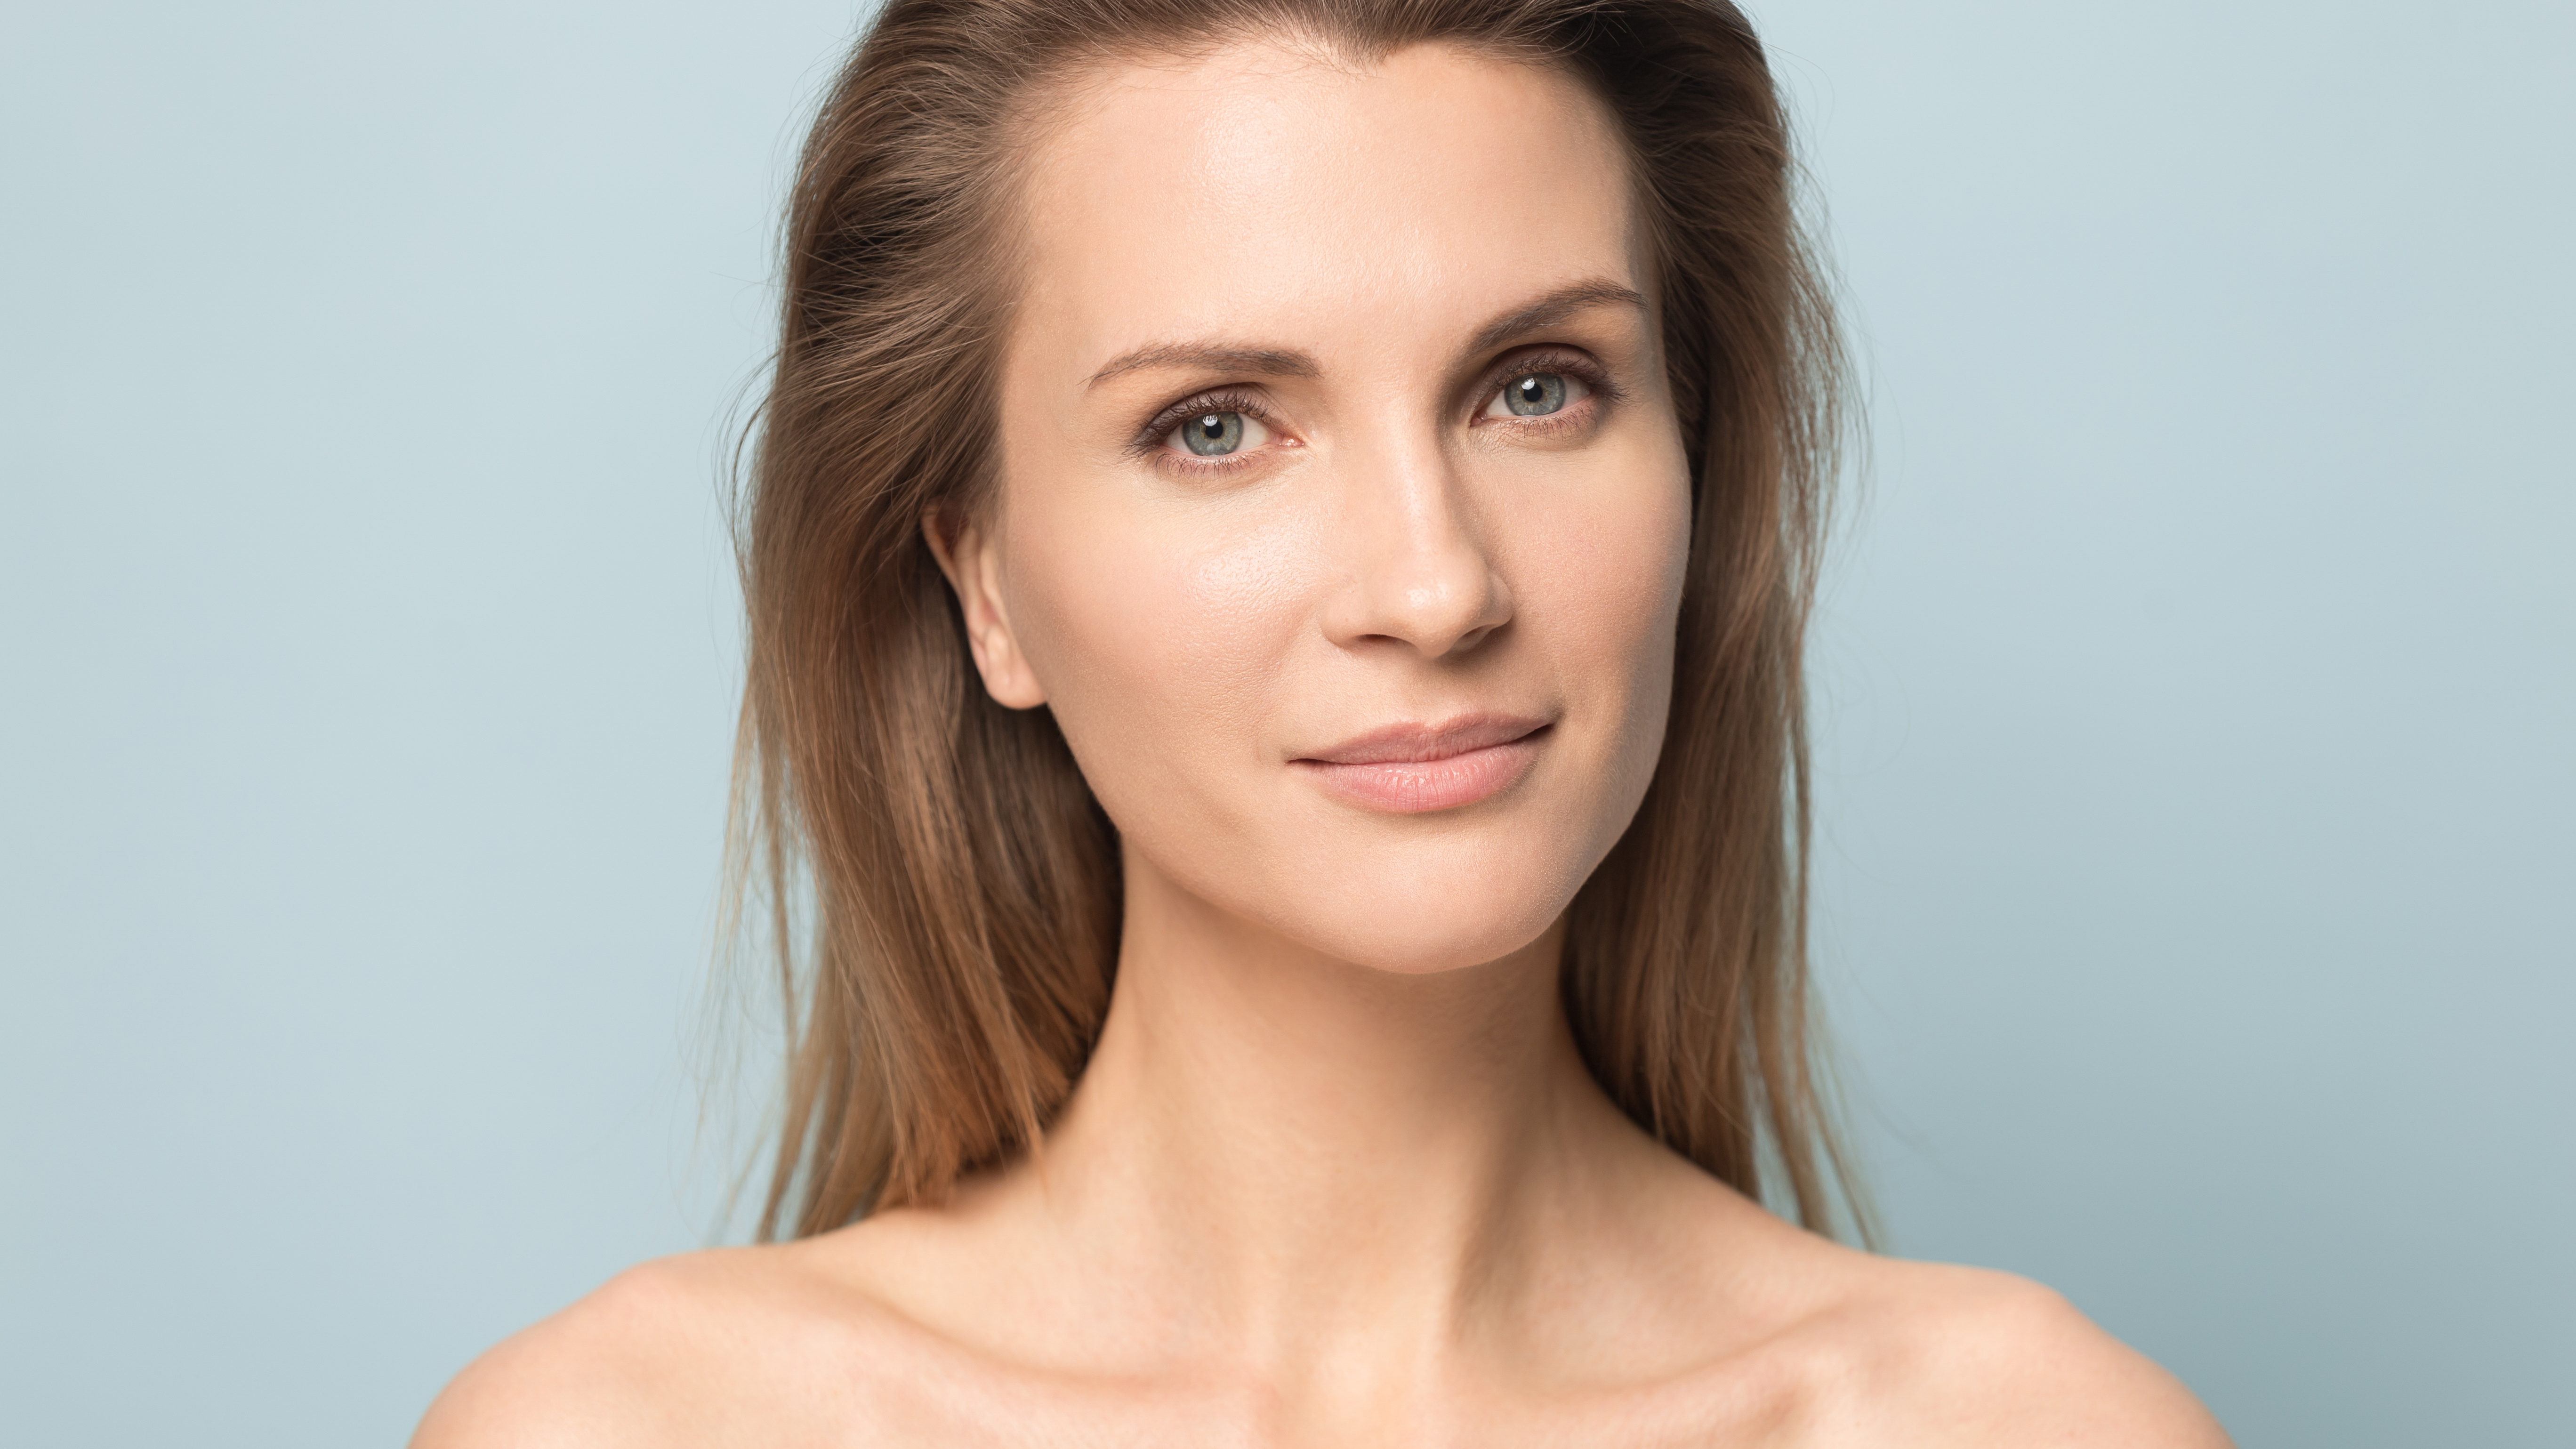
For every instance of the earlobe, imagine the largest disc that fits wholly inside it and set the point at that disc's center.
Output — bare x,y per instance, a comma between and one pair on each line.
968,556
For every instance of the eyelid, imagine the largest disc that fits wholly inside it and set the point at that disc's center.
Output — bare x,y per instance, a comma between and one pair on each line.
1149,439
1148,445
1564,361
1231,398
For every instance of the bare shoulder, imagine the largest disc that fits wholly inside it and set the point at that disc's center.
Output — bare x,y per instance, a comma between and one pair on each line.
698,1349
1935,1354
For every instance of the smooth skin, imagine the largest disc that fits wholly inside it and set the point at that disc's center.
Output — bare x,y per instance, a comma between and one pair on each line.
1335,1175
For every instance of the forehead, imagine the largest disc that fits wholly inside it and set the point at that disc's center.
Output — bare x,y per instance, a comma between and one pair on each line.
1273,194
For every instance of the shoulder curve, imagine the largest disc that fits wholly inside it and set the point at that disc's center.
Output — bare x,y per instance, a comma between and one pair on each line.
1994,1359
615,1368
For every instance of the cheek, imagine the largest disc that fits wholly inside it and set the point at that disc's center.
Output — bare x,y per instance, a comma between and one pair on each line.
1622,579
1607,565
1160,642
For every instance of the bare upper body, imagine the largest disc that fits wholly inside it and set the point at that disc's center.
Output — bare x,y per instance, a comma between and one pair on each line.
1343,524
1678,1314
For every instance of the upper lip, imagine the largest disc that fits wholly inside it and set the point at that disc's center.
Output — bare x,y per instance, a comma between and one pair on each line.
1415,744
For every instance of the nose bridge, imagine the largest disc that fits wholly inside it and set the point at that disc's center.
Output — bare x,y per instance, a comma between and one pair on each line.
1421,571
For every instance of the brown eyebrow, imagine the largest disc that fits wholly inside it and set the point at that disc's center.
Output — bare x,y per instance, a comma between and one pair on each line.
1553,308
1546,311
1252,361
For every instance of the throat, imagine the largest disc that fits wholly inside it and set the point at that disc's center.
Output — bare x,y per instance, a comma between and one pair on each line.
1319,1158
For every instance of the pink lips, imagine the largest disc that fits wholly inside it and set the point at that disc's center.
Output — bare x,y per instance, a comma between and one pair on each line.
1412,768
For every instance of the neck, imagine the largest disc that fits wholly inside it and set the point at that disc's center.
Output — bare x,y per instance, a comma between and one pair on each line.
1313,1152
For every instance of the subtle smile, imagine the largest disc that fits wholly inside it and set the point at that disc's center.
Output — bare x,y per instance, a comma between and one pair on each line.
1410,769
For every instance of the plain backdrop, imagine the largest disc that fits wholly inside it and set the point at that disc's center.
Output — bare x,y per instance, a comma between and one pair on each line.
2197,681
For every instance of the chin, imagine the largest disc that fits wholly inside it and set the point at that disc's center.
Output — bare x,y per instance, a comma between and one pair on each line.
1420,908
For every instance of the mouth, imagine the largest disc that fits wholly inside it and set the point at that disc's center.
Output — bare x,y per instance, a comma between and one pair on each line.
1413,769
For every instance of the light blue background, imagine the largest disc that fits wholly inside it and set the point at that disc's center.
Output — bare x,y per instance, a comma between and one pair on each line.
2197,681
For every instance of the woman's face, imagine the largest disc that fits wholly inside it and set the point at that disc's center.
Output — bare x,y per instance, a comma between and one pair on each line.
1342,513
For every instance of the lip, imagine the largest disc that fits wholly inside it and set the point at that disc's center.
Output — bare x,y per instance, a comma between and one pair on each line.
1412,769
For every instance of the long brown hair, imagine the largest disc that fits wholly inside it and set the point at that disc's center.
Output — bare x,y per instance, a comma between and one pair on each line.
963,884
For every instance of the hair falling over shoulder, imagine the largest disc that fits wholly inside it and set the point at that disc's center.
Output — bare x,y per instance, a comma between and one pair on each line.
963,886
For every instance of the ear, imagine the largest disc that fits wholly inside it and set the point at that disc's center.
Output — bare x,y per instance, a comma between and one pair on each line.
971,558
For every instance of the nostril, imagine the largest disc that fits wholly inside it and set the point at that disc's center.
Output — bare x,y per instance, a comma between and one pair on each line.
1420,575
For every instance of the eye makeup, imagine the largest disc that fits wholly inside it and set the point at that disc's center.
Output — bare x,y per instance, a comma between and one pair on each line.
1150,442
1197,404
1600,392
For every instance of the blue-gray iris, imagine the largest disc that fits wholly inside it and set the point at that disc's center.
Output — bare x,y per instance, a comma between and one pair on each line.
1214,435
1536,395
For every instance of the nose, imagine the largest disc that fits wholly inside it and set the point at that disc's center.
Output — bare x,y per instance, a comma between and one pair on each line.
1420,569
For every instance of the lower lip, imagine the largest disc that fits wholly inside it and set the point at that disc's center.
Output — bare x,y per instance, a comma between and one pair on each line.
1415,787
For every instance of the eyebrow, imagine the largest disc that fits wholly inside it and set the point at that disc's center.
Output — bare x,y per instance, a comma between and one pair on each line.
1250,361
1545,311
1553,308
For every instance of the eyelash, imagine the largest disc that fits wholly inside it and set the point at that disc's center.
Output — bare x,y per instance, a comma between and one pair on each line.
1562,364
1148,444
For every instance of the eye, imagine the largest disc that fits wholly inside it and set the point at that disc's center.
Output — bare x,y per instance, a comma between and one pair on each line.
1535,395
1217,433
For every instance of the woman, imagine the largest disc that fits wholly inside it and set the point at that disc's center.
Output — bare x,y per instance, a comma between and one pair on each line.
1279,550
